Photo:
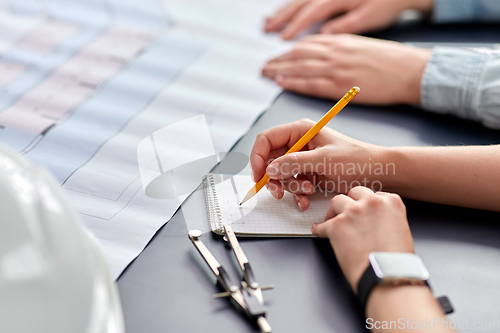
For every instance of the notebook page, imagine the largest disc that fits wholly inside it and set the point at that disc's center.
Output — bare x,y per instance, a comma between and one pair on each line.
263,214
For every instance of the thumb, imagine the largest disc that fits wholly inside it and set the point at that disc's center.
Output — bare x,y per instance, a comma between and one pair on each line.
320,229
351,23
291,164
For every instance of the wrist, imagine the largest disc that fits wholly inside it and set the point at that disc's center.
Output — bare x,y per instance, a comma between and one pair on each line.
395,298
418,58
356,274
423,5
395,161
392,160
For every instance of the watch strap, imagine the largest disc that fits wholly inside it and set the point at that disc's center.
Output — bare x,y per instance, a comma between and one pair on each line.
365,285
445,304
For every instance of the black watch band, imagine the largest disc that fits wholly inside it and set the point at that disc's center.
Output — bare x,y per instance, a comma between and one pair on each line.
366,284
369,280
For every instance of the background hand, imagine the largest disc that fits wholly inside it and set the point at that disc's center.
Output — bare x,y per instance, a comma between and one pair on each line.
350,16
329,65
361,223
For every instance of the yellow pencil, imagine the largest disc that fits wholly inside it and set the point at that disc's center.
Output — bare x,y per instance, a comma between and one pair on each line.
307,137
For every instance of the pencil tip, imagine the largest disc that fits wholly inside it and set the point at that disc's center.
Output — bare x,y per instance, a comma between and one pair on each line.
246,198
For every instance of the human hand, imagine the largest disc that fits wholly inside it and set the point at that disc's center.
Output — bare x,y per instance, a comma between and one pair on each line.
350,16
331,161
361,223
329,65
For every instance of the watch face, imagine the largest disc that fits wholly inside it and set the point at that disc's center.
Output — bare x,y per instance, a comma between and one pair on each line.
398,265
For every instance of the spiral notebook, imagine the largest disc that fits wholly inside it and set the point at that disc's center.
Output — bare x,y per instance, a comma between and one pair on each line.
262,215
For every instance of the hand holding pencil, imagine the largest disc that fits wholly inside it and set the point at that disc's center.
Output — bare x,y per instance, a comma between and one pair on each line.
266,145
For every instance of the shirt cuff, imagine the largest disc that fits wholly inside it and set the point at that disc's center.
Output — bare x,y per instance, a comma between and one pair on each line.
454,11
451,81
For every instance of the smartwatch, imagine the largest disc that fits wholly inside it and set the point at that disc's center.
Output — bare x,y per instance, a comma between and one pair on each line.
395,268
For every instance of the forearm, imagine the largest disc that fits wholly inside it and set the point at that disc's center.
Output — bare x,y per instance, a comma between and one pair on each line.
463,176
403,307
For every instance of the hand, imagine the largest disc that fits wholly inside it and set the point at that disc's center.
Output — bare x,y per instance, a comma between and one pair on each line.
350,16
361,223
330,161
328,66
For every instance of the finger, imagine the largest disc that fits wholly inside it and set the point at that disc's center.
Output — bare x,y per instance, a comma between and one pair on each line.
297,68
276,189
391,197
315,86
337,205
279,137
352,22
302,201
360,192
321,229
321,39
294,163
308,15
282,16
387,194
304,51
297,186
274,154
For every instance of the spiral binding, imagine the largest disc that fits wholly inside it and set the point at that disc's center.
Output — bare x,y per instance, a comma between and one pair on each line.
213,207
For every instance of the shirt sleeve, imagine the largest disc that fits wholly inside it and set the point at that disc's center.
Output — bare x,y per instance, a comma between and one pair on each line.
463,82
454,11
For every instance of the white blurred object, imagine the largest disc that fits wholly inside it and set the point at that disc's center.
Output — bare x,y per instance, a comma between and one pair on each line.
53,275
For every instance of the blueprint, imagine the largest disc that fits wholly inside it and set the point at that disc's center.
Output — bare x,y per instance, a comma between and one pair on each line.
95,90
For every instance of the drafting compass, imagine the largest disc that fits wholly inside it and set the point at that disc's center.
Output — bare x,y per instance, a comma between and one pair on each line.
247,297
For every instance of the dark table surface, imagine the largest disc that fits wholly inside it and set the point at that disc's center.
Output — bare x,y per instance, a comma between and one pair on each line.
168,288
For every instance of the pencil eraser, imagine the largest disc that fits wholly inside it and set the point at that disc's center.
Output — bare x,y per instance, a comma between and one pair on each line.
357,89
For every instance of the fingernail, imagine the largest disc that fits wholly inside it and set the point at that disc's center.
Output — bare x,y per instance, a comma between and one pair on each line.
280,79
314,226
308,188
297,201
273,170
271,190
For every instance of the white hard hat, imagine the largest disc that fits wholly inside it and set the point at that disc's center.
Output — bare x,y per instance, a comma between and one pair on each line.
53,275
